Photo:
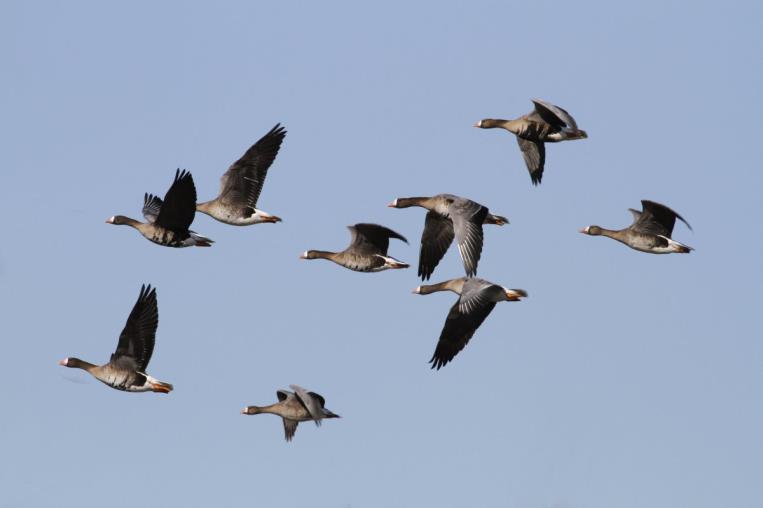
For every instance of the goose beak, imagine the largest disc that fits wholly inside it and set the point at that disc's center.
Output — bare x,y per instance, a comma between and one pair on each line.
417,290
245,411
110,220
584,230
303,255
478,124
393,204
272,218
62,362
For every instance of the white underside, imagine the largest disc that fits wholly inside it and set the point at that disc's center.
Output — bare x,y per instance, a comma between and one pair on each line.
257,217
389,262
672,247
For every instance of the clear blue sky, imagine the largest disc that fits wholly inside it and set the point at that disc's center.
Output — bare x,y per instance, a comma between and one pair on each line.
624,380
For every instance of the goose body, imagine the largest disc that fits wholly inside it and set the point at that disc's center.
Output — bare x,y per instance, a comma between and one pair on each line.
450,217
477,298
547,123
367,251
294,407
650,231
126,370
167,221
241,185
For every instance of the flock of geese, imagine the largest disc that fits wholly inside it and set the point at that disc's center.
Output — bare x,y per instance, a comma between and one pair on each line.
448,218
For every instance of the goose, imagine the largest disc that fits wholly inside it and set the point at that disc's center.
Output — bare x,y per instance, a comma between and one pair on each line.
367,251
295,407
450,216
650,231
167,221
126,370
547,123
476,300
241,185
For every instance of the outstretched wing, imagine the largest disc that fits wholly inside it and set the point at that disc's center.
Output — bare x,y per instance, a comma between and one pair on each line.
289,428
308,402
179,205
152,205
372,238
136,341
534,153
318,398
656,219
458,329
554,115
437,236
467,217
242,184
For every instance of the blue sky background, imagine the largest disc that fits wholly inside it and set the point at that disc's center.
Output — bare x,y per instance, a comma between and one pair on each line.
624,380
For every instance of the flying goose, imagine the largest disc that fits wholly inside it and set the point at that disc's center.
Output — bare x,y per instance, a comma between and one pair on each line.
241,185
367,251
450,216
168,221
477,297
546,123
127,368
295,407
650,231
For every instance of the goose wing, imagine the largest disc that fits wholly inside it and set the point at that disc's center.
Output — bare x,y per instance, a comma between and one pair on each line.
554,115
313,407
656,219
467,217
371,238
458,329
242,184
136,342
534,153
289,428
478,297
179,205
152,205
437,236
318,398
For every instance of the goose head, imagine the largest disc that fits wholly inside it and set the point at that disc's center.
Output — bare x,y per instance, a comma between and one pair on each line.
118,220
591,230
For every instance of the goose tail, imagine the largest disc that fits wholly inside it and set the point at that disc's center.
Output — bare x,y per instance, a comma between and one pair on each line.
159,386
201,241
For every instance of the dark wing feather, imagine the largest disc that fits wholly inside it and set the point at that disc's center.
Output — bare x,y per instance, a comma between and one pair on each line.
308,403
534,153
242,184
458,329
477,292
318,397
289,428
554,115
179,206
372,238
467,217
437,236
656,219
152,205
137,338
282,395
